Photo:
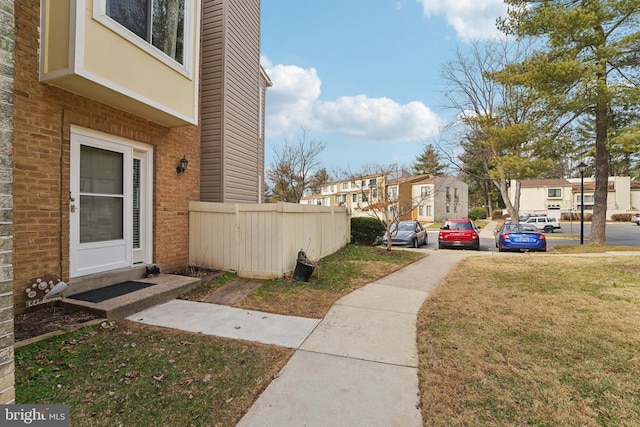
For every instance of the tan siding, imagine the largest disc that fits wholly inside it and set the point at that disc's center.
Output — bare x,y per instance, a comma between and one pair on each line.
212,90
232,152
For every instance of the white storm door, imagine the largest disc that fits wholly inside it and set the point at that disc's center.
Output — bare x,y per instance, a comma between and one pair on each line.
101,205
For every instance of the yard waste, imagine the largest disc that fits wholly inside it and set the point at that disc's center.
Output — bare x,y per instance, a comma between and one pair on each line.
304,269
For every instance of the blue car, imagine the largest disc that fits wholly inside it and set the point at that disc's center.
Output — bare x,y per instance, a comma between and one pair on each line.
520,237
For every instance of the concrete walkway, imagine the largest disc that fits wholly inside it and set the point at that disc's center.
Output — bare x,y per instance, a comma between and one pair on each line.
356,367
359,367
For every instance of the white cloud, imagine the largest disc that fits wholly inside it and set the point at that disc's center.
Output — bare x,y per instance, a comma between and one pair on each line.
377,119
291,98
294,102
472,19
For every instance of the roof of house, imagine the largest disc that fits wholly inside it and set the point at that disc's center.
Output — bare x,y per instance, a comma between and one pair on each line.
591,186
411,178
532,183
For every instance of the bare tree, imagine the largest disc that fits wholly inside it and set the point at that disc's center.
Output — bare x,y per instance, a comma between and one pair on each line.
380,196
503,127
294,168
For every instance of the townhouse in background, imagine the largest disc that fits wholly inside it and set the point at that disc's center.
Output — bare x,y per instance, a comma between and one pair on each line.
111,98
555,197
423,198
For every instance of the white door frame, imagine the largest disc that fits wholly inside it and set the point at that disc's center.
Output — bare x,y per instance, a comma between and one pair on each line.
90,258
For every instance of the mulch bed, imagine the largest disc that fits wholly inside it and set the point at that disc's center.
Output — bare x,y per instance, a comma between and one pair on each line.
47,319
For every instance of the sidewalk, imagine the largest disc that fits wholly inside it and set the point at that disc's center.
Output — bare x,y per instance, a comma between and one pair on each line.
359,367
356,367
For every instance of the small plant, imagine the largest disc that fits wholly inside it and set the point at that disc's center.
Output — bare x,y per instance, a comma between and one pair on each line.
366,230
478,213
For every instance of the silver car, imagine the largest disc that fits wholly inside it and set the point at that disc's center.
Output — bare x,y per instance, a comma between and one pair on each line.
407,233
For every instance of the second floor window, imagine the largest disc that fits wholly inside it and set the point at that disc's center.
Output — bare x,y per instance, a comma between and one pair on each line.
158,22
553,193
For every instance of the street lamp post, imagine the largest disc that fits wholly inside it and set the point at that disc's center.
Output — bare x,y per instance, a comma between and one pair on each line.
582,167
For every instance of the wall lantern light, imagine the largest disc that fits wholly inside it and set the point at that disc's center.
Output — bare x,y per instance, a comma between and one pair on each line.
182,166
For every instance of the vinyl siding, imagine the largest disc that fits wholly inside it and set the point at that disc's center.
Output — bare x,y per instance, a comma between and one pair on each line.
232,156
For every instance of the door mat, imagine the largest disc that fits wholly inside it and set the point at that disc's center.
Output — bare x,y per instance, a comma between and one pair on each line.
112,291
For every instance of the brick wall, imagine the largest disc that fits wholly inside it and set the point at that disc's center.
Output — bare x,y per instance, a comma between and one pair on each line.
42,119
7,394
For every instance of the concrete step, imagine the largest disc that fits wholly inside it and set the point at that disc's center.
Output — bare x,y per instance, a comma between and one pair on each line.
91,282
166,287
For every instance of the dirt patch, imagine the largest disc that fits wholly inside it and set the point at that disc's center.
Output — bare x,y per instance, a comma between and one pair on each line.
47,319
631,269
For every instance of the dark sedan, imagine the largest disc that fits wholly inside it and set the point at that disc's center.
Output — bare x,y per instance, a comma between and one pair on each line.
407,233
520,237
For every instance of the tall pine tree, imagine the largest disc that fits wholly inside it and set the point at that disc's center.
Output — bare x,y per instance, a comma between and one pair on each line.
587,61
428,162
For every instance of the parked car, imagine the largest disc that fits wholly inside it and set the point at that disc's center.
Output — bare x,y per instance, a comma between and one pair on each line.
458,233
520,237
635,218
407,233
544,223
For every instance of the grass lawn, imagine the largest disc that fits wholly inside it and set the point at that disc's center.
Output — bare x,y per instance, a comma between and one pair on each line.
127,374
509,340
541,341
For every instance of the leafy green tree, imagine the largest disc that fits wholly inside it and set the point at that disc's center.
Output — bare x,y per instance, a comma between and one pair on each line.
429,162
587,61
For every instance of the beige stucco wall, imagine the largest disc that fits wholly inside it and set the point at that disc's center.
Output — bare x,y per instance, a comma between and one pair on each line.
87,57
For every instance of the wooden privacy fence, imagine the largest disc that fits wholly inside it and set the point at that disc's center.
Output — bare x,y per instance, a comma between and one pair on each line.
262,241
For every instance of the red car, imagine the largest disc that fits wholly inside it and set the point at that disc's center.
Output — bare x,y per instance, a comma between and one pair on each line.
458,233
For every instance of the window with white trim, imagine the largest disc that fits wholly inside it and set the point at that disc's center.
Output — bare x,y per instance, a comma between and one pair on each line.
161,27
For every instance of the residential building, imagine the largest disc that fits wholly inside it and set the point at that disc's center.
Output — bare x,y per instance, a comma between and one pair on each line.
359,194
558,197
107,133
424,198
440,198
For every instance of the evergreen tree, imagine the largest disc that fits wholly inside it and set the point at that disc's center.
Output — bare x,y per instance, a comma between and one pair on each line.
428,162
586,63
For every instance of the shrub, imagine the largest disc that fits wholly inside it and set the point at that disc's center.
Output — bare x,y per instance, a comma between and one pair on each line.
575,216
622,217
477,213
366,230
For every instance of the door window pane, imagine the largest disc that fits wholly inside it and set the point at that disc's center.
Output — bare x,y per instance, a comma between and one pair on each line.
100,171
101,195
100,219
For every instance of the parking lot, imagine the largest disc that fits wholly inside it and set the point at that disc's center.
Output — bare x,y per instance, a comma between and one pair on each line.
618,234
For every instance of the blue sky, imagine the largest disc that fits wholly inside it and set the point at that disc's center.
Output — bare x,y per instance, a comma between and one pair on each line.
363,76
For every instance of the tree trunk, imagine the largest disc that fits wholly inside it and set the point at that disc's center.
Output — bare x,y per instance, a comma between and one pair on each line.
599,218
